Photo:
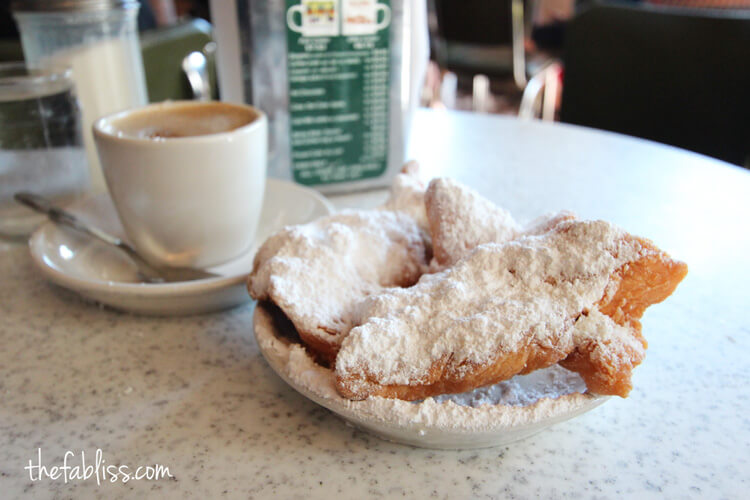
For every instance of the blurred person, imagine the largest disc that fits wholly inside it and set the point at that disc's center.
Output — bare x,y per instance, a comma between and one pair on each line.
146,18
164,11
193,9
548,22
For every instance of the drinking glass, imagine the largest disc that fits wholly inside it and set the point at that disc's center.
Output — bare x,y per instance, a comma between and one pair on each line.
41,146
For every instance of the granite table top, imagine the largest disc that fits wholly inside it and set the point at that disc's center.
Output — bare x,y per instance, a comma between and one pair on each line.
194,393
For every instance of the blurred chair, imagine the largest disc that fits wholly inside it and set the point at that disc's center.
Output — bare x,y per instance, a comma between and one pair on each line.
676,76
481,37
540,97
164,51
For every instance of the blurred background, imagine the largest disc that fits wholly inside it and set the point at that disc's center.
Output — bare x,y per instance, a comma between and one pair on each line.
673,71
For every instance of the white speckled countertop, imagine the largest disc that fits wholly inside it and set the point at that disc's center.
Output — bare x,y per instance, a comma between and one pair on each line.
194,393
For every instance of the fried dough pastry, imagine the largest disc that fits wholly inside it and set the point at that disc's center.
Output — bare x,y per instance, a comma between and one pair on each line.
407,195
632,289
572,294
318,273
460,219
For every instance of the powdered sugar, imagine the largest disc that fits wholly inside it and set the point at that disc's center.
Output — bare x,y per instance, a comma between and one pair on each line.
541,398
318,272
407,195
505,300
521,390
498,299
460,219
610,344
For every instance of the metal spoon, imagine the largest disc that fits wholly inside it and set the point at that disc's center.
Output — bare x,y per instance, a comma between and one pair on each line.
148,273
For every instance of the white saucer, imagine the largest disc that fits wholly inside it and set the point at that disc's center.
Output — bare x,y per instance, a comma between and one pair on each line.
524,405
105,275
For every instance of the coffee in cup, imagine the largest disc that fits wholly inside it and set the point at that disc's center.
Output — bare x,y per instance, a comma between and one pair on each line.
187,178
185,120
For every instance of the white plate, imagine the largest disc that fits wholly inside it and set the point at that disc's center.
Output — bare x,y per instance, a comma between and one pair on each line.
521,406
105,275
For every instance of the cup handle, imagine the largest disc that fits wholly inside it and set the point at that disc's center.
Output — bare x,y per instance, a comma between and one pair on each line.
386,16
290,17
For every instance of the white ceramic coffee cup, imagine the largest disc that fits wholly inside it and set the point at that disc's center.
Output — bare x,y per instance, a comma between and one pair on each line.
191,200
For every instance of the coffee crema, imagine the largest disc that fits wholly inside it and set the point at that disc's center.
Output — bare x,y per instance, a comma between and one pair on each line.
182,120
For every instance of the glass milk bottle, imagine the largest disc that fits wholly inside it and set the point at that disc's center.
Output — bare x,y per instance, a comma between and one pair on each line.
98,40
